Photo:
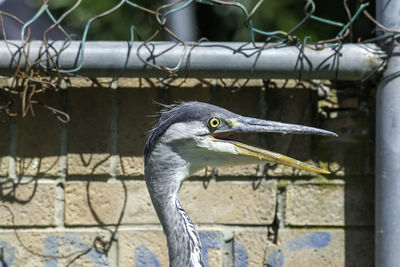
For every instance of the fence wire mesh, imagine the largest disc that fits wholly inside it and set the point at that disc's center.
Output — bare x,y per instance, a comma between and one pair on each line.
66,17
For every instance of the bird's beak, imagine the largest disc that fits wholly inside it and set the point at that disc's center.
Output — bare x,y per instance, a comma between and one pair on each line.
252,125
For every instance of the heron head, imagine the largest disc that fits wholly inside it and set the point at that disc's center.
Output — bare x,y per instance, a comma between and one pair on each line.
199,134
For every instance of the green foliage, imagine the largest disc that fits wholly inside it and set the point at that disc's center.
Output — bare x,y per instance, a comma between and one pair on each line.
216,22
113,26
228,23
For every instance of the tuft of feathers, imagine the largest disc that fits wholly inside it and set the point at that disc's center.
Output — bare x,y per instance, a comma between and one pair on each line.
181,112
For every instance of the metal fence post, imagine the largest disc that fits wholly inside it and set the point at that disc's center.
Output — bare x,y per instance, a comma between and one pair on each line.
387,207
183,22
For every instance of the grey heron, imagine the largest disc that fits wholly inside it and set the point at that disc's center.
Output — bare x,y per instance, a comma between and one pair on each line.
189,137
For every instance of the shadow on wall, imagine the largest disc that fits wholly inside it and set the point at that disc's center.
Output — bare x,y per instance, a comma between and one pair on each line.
51,247
40,140
93,120
360,242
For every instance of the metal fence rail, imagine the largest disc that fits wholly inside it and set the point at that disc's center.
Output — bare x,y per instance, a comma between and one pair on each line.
283,53
205,60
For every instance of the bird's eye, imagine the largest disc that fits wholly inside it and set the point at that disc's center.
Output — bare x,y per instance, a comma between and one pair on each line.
214,122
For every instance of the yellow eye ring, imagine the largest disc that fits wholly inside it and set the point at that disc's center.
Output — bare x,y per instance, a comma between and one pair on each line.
214,122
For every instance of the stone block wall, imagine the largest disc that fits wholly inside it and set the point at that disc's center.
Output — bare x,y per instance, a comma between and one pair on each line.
74,194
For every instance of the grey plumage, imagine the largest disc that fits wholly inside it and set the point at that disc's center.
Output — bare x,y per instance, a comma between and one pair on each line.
188,111
187,138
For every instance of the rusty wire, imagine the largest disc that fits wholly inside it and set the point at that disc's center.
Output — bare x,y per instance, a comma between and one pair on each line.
37,77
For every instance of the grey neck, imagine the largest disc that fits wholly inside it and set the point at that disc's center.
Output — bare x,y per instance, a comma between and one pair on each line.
163,181
184,245
183,241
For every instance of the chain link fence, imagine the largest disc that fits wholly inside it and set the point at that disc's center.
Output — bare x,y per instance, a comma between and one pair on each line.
32,76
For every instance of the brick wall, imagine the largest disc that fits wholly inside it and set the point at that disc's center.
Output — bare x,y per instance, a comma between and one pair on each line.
74,194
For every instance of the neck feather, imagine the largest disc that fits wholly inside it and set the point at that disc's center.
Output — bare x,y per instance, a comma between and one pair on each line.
183,241
184,245
163,181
